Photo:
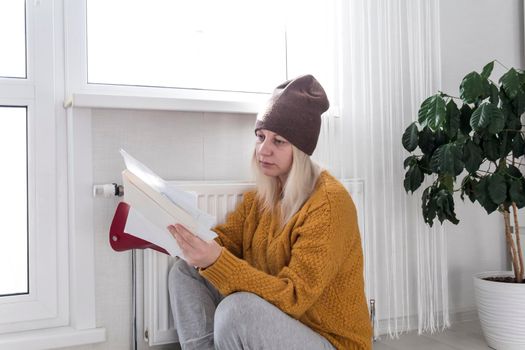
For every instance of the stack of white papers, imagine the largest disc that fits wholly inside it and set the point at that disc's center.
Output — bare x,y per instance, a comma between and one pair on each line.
155,204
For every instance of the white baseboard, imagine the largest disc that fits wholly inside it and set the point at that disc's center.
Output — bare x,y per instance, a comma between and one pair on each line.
464,315
386,327
51,338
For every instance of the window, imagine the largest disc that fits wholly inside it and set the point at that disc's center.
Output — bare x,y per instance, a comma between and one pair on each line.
42,303
30,281
196,55
233,45
13,205
12,39
13,155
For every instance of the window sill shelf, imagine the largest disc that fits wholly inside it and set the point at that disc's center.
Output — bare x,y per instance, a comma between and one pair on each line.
199,101
51,338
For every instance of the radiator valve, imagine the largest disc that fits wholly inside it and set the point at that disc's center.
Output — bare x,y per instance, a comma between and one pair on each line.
108,190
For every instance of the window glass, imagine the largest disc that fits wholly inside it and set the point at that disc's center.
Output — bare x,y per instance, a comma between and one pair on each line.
232,45
12,39
13,204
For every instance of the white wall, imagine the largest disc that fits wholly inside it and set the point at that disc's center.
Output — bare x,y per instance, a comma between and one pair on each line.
176,145
474,32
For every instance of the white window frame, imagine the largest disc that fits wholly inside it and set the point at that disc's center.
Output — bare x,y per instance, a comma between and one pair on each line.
59,310
81,94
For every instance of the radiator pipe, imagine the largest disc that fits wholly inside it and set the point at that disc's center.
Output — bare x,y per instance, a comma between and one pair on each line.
134,299
373,317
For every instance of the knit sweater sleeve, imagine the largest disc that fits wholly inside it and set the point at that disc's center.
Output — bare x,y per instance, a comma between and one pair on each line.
315,256
230,232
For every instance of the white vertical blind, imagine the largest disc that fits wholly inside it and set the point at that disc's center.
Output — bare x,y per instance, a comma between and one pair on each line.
390,63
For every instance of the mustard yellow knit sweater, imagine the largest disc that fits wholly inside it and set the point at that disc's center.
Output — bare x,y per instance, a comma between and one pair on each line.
312,269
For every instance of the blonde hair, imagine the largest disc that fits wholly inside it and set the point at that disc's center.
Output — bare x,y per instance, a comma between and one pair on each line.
286,199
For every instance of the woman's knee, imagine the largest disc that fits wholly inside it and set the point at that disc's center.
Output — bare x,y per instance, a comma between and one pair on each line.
233,314
178,269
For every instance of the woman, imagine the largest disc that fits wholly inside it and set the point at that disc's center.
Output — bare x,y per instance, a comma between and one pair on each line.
286,270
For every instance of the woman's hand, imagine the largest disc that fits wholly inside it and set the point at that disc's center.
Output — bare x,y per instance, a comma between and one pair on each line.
197,252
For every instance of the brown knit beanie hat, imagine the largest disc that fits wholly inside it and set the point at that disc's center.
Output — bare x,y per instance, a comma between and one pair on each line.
294,112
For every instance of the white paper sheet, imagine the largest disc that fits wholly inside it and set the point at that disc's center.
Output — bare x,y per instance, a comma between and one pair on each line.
138,225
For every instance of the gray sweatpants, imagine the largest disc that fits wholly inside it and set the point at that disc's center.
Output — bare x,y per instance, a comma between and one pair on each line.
204,319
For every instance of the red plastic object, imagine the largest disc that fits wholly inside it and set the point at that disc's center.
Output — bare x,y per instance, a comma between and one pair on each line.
122,241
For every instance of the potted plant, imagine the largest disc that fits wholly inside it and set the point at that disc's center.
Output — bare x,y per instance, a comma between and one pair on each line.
473,144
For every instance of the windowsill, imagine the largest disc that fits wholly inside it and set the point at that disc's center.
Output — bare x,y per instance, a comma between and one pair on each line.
250,105
51,338
168,99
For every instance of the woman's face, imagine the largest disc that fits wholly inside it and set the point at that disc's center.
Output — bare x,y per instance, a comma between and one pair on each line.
273,154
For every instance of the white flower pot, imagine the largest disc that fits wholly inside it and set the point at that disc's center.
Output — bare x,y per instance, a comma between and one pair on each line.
501,310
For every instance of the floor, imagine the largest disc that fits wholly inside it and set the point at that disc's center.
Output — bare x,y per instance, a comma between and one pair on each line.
461,336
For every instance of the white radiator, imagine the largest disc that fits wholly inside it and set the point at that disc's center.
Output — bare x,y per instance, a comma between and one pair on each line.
217,199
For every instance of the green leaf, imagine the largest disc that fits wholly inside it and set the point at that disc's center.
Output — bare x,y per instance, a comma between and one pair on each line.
511,83
472,156
452,119
467,187
519,103
513,124
521,75
410,137
423,110
494,94
491,147
479,120
440,138
445,207
435,161
432,112
487,115
413,178
471,88
514,172
487,70
497,188
446,160
447,182
506,144
424,164
427,141
482,196
440,202
428,206
409,161
518,146
497,122
506,105
461,139
487,90
464,119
